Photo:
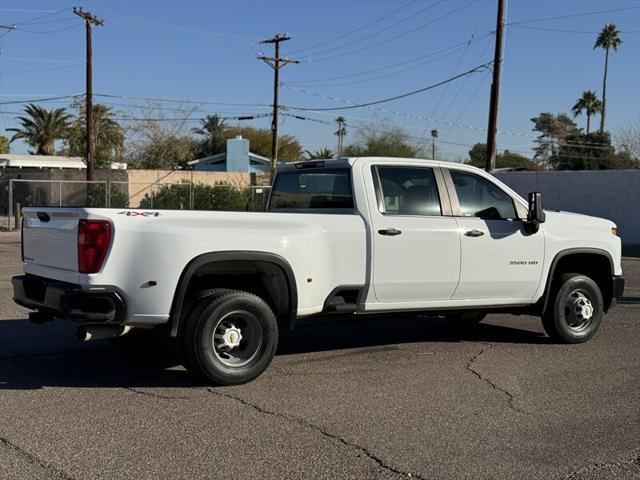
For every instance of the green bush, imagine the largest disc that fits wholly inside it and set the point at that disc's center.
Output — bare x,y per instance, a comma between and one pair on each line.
96,196
221,196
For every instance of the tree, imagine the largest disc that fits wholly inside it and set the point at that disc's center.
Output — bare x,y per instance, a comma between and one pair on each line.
213,129
108,135
553,129
289,149
627,139
506,159
166,152
608,38
383,141
41,128
319,154
4,144
341,132
155,141
588,103
591,151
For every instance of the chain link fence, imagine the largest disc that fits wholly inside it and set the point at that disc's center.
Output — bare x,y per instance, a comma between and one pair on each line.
18,193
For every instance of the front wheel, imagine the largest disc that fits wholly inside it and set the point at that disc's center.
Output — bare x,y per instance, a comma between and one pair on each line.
576,311
230,337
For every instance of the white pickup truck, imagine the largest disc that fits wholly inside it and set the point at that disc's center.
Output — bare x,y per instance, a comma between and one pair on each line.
350,235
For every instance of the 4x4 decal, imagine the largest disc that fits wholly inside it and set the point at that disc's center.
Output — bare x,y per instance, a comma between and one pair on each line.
130,213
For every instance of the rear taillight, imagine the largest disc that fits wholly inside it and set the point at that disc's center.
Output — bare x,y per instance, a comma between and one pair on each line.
94,237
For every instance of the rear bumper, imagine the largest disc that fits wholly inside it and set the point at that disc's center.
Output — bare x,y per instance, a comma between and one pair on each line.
53,299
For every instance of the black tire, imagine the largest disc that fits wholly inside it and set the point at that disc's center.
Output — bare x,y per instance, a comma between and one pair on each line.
466,318
230,337
567,318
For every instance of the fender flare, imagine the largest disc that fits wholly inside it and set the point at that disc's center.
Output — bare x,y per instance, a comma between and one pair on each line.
561,254
213,257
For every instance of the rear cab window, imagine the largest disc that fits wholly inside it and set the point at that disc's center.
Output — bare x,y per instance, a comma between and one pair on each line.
407,191
326,190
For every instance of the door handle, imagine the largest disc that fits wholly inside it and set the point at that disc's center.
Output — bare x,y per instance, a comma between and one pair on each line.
390,232
474,233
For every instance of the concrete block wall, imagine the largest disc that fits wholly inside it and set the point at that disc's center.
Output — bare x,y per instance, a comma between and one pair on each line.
612,194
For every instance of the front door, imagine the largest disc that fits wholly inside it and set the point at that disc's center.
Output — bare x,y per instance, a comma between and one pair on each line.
416,248
500,260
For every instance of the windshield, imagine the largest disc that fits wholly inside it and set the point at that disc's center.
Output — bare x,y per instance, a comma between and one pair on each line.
321,189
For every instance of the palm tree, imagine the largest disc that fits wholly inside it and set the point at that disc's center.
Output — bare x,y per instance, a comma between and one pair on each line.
434,135
588,103
41,128
608,38
213,128
108,135
323,153
341,132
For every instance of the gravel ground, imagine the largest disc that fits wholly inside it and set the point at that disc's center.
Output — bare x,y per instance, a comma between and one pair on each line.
385,398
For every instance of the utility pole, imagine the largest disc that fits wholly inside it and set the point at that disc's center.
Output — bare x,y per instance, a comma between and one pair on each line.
276,63
342,131
434,135
495,90
89,21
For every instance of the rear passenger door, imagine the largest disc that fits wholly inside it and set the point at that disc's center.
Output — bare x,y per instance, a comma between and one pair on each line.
500,261
416,244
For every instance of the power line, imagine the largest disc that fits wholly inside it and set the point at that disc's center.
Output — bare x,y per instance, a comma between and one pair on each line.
184,31
35,100
30,20
395,37
46,69
461,88
398,97
167,100
414,116
50,31
573,15
386,67
455,70
373,34
466,106
379,19
35,60
459,47
189,118
590,32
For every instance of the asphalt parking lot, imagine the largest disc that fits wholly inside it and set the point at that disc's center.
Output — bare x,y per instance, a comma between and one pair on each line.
386,398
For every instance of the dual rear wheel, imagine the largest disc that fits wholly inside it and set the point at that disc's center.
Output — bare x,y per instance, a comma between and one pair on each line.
230,336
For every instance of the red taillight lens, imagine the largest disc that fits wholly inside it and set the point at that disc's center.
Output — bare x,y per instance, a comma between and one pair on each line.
94,237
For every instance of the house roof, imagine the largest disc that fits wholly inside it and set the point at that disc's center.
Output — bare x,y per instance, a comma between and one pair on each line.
47,161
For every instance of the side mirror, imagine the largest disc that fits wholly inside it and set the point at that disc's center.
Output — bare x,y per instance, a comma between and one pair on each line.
535,214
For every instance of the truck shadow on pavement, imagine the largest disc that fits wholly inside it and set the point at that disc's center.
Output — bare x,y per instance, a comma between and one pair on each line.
35,356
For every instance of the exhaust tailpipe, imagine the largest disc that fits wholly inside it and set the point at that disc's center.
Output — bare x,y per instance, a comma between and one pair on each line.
98,332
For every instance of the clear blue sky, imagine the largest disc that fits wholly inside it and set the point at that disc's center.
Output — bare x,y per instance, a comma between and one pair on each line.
205,51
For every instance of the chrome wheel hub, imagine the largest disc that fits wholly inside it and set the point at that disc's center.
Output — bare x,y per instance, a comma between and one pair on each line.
237,338
231,337
578,310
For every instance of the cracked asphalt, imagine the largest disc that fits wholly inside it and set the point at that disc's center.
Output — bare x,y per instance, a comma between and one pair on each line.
390,398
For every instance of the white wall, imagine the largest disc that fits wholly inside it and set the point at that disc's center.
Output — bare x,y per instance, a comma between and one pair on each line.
612,194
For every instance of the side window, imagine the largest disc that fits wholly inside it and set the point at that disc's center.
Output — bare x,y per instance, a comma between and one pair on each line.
479,197
408,191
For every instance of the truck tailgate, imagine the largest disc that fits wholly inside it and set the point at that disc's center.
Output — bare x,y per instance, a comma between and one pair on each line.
50,237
